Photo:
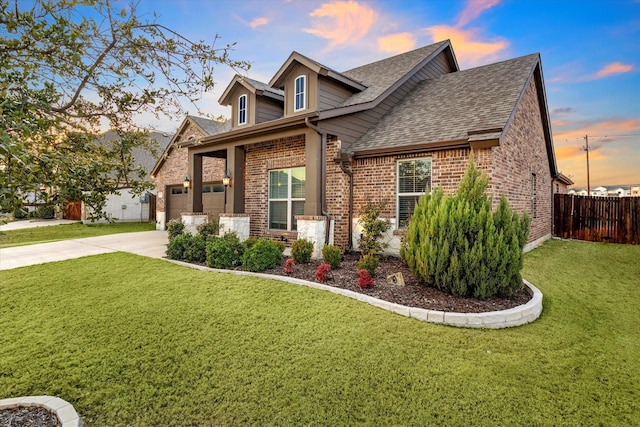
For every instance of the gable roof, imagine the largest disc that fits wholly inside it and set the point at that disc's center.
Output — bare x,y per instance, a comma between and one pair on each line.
254,86
278,79
206,125
477,103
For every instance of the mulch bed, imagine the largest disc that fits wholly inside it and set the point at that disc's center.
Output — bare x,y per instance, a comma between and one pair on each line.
28,416
413,294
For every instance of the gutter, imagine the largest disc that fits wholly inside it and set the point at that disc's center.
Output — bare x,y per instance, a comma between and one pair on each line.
347,170
323,177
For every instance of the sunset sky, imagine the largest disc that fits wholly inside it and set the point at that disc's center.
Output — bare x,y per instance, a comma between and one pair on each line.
590,55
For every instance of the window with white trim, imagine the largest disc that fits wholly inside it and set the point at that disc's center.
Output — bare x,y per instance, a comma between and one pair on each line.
414,180
242,109
286,197
300,86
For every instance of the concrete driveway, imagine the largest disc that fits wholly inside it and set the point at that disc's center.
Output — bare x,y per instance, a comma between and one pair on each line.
146,243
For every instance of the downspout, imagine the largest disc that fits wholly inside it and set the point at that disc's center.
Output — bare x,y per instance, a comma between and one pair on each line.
323,177
347,170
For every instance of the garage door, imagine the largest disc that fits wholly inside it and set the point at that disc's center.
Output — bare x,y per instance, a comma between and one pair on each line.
212,200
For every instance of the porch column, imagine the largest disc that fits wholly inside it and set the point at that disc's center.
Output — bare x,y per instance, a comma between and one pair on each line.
235,193
313,163
195,192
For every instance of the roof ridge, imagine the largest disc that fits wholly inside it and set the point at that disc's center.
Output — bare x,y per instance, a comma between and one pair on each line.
395,57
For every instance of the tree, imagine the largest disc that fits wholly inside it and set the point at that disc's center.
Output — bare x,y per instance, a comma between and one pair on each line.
70,67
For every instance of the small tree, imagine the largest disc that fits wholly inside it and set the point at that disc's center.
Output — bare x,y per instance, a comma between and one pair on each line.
373,227
459,245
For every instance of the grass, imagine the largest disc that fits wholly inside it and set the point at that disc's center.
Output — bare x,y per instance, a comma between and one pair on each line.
53,233
136,341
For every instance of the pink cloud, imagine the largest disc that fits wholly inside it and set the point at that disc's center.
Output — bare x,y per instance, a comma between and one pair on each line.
469,48
397,43
613,69
259,22
473,10
342,22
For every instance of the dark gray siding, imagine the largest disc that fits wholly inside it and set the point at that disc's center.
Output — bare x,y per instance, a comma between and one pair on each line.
268,109
351,127
331,94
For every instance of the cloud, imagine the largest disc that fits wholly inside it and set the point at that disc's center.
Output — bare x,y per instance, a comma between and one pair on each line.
473,10
397,43
612,69
259,22
561,111
342,22
469,47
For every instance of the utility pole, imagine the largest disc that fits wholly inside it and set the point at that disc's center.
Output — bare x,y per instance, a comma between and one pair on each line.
586,148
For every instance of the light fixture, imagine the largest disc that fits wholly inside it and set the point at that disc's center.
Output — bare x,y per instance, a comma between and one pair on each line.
187,182
226,179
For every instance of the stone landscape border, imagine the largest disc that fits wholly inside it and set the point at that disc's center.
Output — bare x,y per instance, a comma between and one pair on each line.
64,410
520,315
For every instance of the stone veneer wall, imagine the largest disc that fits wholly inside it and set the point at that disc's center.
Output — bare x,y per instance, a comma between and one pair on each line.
176,166
260,158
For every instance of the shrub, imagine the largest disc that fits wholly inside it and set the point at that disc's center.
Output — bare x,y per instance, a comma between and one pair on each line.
288,265
301,251
177,246
264,254
368,262
45,212
250,242
208,229
280,244
364,279
322,271
20,213
372,229
195,249
175,227
332,255
459,245
225,251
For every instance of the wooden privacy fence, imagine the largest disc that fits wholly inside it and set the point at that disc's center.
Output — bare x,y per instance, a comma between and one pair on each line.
597,219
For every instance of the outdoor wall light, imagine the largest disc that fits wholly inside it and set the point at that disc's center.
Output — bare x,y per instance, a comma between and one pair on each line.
187,182
226,179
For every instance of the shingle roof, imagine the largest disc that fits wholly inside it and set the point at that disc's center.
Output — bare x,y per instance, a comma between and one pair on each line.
448,107
381,75
263,86
210,126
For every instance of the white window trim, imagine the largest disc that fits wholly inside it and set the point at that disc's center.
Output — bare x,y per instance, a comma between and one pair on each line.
289,199
304,93
398,194
240,109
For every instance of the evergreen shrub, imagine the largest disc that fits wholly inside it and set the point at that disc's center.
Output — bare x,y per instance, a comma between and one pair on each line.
45,212
175,227
332,255
373,227
264,254
195,249
225,251
177,246
301,251
208,229
368,262
458,244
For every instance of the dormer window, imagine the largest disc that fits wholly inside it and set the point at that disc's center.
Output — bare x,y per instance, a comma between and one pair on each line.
300,101
242,109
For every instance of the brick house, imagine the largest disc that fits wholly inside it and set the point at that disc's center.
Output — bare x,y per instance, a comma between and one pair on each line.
308,150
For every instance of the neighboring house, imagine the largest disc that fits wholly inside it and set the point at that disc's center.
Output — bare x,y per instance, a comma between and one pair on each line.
127,207
604,191
172,168
634,190
308,150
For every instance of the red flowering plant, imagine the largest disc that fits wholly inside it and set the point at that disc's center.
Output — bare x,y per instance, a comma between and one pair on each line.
322,271
365,280
288,265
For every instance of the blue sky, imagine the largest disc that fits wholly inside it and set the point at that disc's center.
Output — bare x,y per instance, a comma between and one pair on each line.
590,55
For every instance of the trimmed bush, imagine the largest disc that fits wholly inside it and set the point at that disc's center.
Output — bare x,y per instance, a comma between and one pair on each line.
322,271
195,249
45,212
264,254
20,213
332,255
288,265
280,244
373,228
364,279
250,242
225,251
301,251
175,227
368,262
208,229
177,246
459,245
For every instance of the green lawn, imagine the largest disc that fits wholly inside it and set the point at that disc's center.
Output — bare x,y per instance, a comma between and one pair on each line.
52,233
142,342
